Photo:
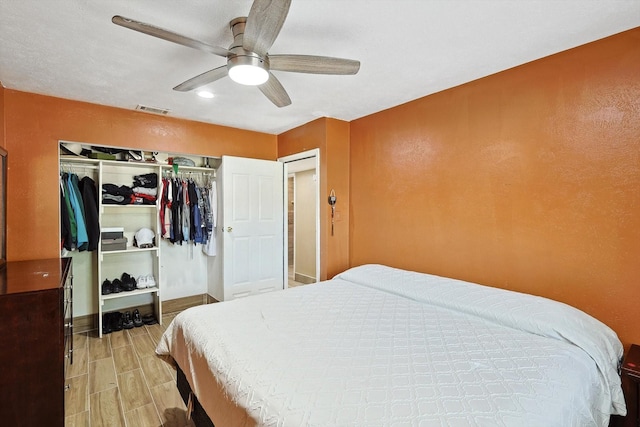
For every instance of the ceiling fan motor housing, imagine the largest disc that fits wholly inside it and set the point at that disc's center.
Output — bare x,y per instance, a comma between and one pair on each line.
238,55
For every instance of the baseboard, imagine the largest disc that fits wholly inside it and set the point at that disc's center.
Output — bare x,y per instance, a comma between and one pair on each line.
84,323
180,304
307,280
89,322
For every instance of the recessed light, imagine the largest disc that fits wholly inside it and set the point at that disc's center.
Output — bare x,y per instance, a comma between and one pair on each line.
205,94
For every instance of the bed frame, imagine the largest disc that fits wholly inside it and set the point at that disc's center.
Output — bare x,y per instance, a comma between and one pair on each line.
198,415
201,419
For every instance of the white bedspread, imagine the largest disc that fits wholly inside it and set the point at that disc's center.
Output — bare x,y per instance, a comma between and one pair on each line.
378,346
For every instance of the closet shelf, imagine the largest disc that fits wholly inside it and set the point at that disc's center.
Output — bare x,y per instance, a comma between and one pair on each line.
200,169
77,160
129,206
135,164
129,293
129,250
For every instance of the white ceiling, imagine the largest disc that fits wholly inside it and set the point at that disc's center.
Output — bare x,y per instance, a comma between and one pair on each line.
407,48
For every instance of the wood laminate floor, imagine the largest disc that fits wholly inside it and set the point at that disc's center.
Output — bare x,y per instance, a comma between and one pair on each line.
118,381
291,278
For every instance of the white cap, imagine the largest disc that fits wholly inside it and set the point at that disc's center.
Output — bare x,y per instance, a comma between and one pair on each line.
144,237
72,147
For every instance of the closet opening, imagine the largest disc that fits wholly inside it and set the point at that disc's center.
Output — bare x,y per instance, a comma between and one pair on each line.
164,273
302,215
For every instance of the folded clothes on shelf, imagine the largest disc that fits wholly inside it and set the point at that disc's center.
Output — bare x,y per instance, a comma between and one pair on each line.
147,180
143,191
116,194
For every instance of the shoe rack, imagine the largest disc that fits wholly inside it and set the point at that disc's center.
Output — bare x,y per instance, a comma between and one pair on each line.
138,263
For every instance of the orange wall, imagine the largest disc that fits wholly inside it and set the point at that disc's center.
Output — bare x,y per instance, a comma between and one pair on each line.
2,115
35,124
331,137
528,179
337,153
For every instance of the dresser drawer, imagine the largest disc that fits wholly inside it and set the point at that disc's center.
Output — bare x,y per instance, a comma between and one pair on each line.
67,304
68,341
67,292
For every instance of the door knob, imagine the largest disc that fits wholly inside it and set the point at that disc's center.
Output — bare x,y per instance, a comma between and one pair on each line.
229,229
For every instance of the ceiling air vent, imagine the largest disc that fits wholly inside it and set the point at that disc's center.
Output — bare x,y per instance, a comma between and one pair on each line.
154,110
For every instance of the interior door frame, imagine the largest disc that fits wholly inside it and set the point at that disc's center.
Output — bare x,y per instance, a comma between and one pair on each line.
314,153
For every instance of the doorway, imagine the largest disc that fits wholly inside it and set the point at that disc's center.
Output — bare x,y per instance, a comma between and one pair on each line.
302,205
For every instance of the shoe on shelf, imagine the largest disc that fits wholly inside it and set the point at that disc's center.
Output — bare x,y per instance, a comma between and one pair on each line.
127,322
142,282
151,281
117,324
107,287
137,320
117,286
149,319
106,323
128,282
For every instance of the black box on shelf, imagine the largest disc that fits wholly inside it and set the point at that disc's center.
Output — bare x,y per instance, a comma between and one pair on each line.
114,244
112,233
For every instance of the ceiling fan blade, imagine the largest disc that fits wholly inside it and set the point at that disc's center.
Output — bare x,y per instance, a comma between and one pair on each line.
202,79
264,22
313,64
273,90
168,35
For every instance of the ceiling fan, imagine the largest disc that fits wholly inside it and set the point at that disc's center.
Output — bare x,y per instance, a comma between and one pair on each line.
247,59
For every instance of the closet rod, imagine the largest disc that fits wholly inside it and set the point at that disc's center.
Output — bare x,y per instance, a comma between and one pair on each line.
187,173
70,165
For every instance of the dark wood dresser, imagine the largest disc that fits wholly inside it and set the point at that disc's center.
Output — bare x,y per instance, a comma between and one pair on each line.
631,385
36,323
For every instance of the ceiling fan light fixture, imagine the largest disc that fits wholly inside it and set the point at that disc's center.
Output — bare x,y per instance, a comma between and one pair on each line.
247,70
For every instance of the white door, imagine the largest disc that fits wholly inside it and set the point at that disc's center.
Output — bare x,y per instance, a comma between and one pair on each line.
252,226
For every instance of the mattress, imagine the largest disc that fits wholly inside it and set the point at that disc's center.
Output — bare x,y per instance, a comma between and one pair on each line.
379,346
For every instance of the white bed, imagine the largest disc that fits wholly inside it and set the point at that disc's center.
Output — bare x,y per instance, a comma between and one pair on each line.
378,346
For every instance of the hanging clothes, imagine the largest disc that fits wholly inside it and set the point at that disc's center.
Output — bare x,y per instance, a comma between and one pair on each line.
167,209
163,208
76,204
210,247
67,220
199,234
185,211
89,194
176,212
78,213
